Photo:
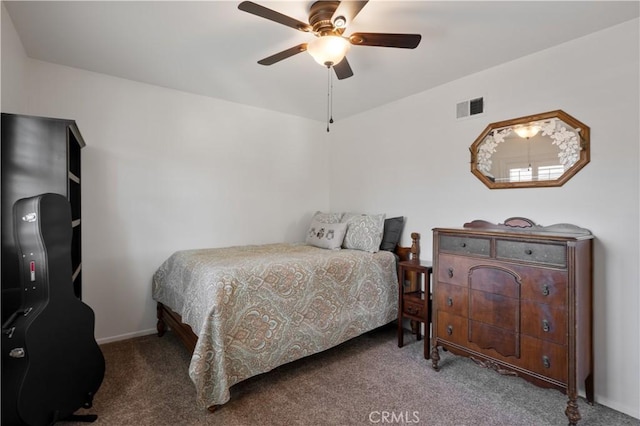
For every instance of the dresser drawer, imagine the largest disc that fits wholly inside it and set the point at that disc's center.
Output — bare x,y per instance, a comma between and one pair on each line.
453,269
541,357
545,322
452,328
545,358
413,306
452,299
465,245
534,252
543,285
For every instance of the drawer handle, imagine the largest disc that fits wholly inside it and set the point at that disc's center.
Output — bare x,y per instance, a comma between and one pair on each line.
545,326
449,301
546,362
528,251
450,272
463,245
545,290
449,330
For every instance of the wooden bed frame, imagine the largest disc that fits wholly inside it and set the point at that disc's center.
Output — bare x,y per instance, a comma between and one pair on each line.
168,319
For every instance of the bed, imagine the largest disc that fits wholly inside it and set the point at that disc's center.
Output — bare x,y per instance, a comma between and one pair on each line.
246,310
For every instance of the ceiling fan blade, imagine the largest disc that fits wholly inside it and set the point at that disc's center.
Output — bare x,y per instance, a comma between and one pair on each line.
405,41
272,15
348,10
343,69
283,55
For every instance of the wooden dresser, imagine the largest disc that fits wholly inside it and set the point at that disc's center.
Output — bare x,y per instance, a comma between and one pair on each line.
517,298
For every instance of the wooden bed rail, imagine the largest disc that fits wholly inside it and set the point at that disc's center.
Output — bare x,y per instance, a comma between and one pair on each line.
169,319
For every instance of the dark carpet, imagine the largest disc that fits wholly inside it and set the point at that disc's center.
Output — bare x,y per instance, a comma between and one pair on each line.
366,381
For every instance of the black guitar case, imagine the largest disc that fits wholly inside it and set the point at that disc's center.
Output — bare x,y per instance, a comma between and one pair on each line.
51,363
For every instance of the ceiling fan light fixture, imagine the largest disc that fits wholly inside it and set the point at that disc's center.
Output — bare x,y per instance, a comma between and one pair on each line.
328,50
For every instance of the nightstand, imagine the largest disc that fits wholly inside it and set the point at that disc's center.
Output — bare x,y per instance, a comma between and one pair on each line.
415,305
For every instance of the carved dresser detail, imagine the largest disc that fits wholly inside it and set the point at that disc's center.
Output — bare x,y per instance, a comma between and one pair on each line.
517,298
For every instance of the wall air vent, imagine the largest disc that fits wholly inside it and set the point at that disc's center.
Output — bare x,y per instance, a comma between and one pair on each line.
469,108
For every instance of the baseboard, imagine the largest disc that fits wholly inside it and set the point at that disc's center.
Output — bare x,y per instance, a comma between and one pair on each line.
126,336
630,411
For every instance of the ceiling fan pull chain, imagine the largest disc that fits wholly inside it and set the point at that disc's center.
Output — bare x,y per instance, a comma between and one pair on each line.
329,119
331,96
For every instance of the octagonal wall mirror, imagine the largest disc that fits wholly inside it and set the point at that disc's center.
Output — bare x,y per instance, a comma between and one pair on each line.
534,151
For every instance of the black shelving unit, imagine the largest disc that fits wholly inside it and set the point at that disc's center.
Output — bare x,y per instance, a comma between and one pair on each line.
39,155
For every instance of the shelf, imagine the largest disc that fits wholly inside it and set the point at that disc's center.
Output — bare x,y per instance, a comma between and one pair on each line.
415,305
39,155
74,178
417,296
76,272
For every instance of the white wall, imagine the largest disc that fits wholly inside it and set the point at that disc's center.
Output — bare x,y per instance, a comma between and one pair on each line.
13,66
165,170
412,158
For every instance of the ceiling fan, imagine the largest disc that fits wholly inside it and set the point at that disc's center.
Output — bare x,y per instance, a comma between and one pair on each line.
328,21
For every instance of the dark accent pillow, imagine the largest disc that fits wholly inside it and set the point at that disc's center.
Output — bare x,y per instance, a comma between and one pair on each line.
392,233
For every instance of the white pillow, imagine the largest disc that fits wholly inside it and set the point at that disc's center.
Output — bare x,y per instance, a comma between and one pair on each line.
326,235
364,232
327,217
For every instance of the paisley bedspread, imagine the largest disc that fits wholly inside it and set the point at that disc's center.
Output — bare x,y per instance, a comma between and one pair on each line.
255,308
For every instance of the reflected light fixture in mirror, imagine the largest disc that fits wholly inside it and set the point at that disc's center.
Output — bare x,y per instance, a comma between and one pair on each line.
555,148
528,131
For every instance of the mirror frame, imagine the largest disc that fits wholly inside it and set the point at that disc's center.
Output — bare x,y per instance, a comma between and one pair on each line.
583,160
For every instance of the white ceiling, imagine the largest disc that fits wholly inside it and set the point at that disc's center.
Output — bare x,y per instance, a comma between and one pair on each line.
212,48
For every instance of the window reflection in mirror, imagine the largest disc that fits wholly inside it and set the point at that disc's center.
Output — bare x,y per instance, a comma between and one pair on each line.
539,150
